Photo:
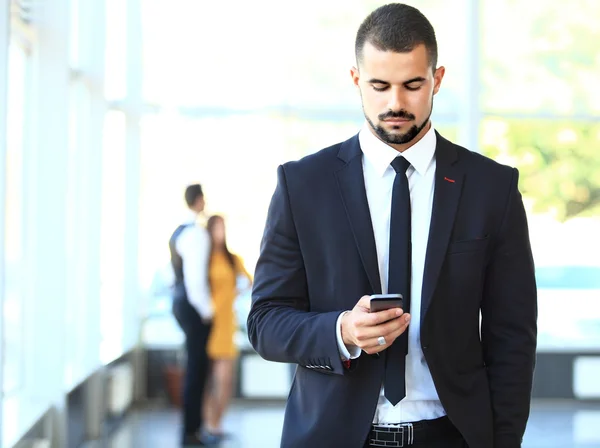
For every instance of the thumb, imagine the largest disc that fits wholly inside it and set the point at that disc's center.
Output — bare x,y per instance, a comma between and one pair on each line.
364,304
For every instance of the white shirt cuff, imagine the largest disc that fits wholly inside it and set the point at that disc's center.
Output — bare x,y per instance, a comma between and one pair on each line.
346,352
206,312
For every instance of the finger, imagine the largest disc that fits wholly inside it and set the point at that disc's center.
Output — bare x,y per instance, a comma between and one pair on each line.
364,303
391,331
373,345
371,341
394,327
382,316
365,333
375,348
404,321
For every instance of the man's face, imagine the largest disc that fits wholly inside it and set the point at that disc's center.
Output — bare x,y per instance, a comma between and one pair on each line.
199,204
397,93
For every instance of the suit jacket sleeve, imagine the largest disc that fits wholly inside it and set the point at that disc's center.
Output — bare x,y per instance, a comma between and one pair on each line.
509,330
281,325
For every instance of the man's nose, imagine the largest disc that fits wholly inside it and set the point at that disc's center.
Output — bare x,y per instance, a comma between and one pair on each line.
396,99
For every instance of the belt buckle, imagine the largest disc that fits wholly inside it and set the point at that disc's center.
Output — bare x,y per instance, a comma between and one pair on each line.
407,428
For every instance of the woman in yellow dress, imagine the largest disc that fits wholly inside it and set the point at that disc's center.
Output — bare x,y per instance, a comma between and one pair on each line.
224,270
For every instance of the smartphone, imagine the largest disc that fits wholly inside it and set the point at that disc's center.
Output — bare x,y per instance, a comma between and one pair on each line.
380,302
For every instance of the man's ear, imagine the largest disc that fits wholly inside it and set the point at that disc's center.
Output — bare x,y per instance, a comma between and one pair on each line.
354,73
438,75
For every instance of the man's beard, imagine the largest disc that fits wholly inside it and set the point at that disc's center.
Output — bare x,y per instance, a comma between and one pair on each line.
398,139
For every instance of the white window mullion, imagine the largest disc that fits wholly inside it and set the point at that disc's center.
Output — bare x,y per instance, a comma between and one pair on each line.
4,21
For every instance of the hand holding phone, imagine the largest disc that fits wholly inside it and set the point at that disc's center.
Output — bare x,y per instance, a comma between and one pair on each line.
374,322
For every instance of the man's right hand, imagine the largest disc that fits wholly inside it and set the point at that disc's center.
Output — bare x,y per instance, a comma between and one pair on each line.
362,328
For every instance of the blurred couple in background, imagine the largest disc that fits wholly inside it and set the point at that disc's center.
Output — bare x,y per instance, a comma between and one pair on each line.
205,289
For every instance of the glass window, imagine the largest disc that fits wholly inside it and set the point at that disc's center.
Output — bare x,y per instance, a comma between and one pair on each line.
560,181
540,59
76,244
115,81
15,274
74,34
291,57
558,161
112,236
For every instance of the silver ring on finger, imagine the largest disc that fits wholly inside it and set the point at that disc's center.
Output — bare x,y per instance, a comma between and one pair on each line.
381,340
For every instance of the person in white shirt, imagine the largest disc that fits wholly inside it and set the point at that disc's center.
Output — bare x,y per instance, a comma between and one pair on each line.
192,307
398,209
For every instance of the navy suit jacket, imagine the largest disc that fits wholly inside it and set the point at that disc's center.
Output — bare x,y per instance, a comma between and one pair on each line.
318,258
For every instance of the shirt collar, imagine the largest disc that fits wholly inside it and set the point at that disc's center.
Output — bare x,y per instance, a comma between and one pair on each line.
380,155
190,217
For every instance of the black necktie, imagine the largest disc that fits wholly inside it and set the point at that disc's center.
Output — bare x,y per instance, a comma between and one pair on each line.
399,278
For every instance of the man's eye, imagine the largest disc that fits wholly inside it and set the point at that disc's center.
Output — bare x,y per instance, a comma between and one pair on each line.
413,87
379,88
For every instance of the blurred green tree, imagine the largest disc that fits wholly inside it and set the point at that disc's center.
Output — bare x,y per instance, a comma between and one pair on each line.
559,161
540,75
566,47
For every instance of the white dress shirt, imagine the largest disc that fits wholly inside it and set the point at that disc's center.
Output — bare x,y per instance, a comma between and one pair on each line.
193,245
422,401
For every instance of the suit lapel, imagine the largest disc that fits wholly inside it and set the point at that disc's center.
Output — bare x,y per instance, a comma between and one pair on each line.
351,182
448,187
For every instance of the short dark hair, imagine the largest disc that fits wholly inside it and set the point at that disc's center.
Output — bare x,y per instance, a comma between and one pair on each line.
192,193
397,27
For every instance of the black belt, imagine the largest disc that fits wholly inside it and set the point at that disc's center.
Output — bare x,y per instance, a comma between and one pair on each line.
407,434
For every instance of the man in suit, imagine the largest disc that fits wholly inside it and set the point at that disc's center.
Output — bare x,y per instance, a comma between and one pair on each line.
398,209
192,307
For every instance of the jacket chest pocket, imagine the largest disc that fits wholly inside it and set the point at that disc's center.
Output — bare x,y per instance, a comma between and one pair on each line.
468,245
465,266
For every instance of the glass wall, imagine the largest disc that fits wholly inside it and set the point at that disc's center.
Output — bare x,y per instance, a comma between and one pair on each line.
112,235
67,174
15,269
541,114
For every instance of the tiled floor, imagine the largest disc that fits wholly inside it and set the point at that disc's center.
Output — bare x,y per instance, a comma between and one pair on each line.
552,425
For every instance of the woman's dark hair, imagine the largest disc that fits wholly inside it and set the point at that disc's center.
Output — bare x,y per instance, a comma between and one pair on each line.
210,227
397,27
